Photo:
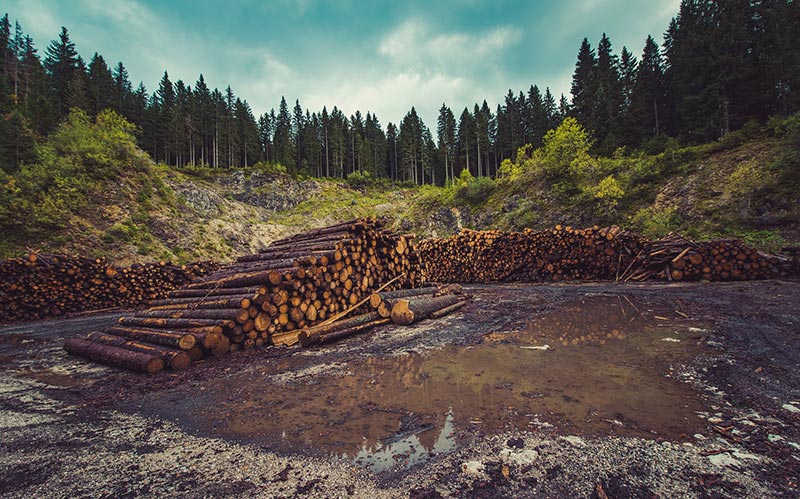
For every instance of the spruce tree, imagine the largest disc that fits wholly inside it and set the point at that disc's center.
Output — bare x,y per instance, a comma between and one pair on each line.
584,85
647,100
100,85
61,62
284,150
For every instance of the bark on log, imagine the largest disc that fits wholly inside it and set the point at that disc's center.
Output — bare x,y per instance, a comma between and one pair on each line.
344,333
408,311
176,360
184,325
115,356
175,339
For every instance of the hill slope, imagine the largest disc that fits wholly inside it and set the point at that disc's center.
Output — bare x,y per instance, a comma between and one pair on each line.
94,193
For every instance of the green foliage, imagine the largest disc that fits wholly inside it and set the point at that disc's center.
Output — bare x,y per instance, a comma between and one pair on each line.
270,167
746,179
76,165
655,222
566,149
608,192
472,191
767,240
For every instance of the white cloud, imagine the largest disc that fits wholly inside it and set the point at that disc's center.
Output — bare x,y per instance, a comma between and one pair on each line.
414,44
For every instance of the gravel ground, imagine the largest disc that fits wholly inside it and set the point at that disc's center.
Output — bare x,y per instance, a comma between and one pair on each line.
73,429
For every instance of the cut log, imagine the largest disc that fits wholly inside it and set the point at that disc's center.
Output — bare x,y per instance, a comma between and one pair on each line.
167,323
115,356
408,311
343,333
175,359
181,340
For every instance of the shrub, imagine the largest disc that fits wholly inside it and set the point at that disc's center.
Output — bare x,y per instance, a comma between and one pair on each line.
655,222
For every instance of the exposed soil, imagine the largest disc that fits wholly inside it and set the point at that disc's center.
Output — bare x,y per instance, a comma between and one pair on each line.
577,390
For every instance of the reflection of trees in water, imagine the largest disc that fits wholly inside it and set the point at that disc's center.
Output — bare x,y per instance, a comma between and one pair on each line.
410,450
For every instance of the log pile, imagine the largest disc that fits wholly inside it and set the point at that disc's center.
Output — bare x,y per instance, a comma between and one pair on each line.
561,253
675,258
308,286
39,286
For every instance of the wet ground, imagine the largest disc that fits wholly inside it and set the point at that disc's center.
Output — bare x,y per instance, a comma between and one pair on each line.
580,390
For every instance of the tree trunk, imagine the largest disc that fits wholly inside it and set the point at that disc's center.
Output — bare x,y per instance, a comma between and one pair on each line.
115,356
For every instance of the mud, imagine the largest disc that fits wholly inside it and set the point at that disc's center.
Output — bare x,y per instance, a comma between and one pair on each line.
531,391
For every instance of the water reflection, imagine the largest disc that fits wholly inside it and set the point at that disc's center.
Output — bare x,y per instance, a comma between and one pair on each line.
394,412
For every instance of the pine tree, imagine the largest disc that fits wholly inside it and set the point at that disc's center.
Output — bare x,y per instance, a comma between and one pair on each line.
265,136
537,116
298,124
122,90
627,72
584,86
551,111
100,85
284,147
202,116
466,136
446,136
607,104
61,62
76,93
648,96
391,150
165,136
491,131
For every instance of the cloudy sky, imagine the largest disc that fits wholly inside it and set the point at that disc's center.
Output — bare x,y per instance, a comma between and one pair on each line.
379,56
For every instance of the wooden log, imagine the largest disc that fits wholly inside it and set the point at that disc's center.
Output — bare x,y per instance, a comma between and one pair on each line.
244,279
447,310
225,303
208,293
375,299
347,332
211,317
183,325
222,346
408,311
115,356
175,339
174,359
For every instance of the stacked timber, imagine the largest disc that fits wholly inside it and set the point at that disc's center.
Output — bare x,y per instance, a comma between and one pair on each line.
675,258
39,286
270,298
561,253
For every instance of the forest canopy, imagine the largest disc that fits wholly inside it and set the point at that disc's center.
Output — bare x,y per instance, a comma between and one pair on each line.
719,66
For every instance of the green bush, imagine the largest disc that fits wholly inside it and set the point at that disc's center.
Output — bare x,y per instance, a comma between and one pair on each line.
77,163
472,191
655,222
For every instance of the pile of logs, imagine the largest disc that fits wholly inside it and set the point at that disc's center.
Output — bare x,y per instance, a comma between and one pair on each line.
563,253
675,258
309,286
39,286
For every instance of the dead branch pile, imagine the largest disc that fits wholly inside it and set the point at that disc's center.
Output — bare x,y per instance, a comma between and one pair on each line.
298,289
39,286
561,253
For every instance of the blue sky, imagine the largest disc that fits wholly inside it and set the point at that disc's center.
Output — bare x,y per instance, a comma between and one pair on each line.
378,56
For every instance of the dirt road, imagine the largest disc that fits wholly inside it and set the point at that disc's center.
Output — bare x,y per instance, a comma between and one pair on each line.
581,390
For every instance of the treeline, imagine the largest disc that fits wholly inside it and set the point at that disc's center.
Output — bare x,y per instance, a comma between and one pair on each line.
722,63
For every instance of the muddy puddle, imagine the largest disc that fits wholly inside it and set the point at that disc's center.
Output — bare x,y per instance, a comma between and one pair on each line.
596,366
